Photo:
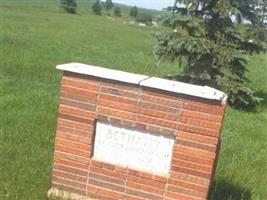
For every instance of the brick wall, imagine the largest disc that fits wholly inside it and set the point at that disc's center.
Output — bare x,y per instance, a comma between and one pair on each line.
195,122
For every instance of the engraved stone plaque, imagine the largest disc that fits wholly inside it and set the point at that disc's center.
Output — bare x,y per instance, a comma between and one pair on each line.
133,147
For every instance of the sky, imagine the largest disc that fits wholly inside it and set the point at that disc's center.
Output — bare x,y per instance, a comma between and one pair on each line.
150,4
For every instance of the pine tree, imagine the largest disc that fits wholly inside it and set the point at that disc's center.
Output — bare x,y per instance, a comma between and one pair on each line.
117,11
69,5
97,7
108,5
213,45
134,11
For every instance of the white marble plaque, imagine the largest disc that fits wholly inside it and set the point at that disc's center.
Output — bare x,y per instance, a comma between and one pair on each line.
133,148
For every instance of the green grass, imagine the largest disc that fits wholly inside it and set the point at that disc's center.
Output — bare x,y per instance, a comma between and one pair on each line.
36,36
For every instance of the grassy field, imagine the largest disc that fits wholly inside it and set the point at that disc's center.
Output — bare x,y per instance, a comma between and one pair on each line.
36,36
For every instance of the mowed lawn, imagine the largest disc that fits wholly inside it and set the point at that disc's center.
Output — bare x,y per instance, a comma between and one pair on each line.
33,40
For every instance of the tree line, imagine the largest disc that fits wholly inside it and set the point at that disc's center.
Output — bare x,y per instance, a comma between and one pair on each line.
70,6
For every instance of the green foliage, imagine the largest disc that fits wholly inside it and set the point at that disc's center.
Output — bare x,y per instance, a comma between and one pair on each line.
69,6
214,46
133,11
117,11
108,5
97,7
144,17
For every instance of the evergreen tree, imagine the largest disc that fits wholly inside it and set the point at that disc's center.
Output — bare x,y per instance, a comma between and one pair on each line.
108,5
117,11
213,45
97,7
134,11
69,5
144,17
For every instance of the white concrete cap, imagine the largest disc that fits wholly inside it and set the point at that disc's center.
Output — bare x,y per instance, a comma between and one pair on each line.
102,72
184,88
142,80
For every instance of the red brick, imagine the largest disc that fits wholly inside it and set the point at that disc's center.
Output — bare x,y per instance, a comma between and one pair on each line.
161,101
160,178
76,118
111,173
146,175
72,144
76,111
114,120
86,85
189,178
121,86
121,169
128,123
82,77
108,166
192,158
73,151
146,181
106,179
194,144
76,138
71,157
153,128
133,172
119,92
184,184
77,91
193,151
96,163
202,107
181,190
106,185
145,195
116,113
70,163
75,125
74,177
200,115
173,195
117,105
104,192
190,165
158,93
68,182
130,197
200,123
102,117
193,172
120,99
167,131
198,130
77,104
144,188
197,137
156,121
158,114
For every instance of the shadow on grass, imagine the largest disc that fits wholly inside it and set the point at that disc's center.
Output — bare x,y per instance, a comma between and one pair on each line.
223,190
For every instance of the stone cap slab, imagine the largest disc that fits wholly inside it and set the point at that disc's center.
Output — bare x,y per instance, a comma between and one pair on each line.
102,72
205,92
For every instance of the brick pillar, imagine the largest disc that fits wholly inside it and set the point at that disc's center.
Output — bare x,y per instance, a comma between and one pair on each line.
191,115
